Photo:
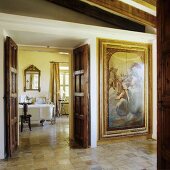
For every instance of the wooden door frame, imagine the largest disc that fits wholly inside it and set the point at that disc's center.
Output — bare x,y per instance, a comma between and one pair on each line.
163,89
70,108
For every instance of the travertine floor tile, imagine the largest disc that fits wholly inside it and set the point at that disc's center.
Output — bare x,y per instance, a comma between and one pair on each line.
47,148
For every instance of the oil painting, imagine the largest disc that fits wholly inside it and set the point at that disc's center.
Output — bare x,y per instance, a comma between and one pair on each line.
124,88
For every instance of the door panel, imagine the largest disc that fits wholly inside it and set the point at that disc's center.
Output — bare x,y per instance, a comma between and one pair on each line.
165,20
163,28
11,95
81,95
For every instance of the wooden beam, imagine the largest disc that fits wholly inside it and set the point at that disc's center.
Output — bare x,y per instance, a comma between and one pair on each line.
148,3
100,14
151,2
124,10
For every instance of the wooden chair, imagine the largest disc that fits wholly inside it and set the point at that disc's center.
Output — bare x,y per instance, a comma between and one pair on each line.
25,118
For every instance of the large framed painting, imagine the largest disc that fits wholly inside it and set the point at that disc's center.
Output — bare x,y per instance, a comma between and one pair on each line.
124,88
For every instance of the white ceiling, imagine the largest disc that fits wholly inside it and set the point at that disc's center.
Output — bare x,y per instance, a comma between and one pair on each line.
63,35
64,41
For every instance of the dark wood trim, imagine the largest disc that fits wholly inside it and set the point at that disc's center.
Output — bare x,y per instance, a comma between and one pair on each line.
89,100
163,85
100,14
125,10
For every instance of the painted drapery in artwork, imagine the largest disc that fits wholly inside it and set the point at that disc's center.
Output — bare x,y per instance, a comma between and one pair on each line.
126,90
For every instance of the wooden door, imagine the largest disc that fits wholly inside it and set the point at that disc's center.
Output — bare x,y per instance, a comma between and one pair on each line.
81,95
11,96
163,23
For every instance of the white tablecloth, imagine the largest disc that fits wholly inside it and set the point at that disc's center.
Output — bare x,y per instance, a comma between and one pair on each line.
39,112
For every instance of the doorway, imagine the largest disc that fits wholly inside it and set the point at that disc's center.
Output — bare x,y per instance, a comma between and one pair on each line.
48,103
35,63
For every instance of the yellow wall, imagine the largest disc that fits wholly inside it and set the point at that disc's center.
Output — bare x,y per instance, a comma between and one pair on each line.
39,57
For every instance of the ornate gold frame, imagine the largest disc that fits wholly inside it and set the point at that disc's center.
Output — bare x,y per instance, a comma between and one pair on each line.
106,48
32,69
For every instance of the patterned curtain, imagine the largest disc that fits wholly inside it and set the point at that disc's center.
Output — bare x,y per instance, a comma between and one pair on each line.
55,85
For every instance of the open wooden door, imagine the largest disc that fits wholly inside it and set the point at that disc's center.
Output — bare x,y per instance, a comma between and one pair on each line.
11,96
163,7
81,96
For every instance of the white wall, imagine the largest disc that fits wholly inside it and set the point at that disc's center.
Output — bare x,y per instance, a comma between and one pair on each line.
93,91
1,94
41,58
45,9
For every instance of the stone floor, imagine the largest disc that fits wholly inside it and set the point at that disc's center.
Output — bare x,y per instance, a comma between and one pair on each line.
46,148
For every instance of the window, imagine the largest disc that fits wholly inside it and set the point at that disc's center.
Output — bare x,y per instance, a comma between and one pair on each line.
64,84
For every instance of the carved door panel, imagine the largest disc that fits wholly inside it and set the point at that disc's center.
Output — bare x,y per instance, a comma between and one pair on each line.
163,84
81,95
11,95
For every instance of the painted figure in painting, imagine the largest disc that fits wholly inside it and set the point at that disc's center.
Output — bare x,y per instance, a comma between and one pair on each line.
126,91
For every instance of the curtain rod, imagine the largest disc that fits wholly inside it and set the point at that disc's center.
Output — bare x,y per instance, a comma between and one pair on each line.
58,62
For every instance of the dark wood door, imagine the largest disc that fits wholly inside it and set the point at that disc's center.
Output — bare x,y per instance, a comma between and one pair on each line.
81,95
11,96
163,7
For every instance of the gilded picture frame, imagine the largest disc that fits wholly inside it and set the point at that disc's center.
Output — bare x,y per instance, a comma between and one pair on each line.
125,88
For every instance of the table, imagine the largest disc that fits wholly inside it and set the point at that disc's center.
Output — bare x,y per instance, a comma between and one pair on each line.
40,112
